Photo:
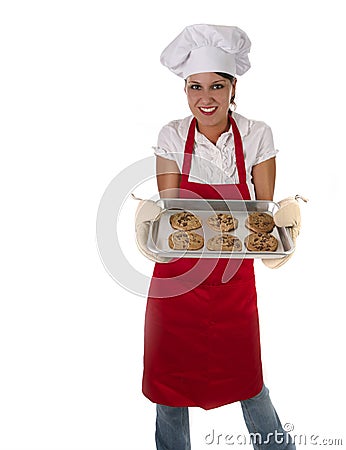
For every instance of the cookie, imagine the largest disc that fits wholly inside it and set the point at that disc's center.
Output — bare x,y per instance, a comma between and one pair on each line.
225,243
185,240
261,242
260,222
185,221
222,222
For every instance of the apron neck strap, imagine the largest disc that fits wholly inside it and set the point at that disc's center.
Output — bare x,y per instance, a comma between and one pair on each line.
189,145
239,152
238,145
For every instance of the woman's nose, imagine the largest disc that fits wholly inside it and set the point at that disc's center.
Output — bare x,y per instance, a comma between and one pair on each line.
206,97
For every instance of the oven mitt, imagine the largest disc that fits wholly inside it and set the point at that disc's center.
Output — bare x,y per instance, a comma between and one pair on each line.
147,211
288,215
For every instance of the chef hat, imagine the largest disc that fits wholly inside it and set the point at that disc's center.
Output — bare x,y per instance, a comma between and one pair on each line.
208,48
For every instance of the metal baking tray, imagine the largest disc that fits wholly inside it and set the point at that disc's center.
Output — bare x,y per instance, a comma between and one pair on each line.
160,228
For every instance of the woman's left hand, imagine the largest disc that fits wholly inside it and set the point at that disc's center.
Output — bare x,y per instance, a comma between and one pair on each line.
287,216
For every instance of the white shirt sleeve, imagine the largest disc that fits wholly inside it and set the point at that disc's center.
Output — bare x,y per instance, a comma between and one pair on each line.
265,149
169,144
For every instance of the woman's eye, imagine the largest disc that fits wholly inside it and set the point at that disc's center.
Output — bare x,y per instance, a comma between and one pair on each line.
198,87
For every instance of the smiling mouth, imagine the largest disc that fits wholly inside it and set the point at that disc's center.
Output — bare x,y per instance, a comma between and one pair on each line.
207,110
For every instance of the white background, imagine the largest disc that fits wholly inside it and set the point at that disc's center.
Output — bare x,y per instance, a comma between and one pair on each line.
83,96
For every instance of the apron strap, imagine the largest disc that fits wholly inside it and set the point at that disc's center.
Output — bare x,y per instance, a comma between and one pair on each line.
238,145
190,141
239,152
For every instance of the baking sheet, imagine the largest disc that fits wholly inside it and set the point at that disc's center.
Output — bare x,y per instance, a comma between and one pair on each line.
161,228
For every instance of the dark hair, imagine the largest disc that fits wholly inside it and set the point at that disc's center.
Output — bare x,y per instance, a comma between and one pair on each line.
230,77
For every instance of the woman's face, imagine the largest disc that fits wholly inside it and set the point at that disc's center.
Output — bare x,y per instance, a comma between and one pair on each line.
208,95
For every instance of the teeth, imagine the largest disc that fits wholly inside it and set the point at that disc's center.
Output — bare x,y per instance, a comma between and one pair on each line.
208,109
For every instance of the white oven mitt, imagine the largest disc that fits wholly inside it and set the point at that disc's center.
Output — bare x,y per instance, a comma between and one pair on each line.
147,210
288,216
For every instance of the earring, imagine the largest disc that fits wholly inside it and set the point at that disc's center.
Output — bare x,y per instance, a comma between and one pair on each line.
233,106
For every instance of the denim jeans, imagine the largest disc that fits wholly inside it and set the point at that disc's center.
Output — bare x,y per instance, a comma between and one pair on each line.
262,421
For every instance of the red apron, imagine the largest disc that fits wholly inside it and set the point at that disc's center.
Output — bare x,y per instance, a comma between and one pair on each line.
202,343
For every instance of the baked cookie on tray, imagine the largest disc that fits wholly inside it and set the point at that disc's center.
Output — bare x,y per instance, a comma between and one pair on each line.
260,221
222,222
185,220
261,242
225,243
185,240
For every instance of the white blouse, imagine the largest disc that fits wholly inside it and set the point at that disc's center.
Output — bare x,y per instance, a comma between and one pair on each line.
215,164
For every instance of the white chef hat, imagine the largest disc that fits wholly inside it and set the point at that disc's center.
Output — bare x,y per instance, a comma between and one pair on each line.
208,48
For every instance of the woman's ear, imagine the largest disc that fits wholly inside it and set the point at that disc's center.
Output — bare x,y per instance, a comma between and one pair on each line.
234,86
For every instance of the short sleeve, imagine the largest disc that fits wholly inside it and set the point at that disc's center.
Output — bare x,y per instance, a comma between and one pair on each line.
163,147
266,148
169,144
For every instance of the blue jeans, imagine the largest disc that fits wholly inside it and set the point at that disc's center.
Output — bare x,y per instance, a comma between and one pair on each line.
262,421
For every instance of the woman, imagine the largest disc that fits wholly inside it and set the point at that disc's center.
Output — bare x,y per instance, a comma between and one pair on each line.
202,345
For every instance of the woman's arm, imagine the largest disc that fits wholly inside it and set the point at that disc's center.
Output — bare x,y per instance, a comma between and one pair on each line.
263,176
168,177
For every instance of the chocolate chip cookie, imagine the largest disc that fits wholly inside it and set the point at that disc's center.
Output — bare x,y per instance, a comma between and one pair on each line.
261,242
222,222
185,240
224,242
260,222
185,220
